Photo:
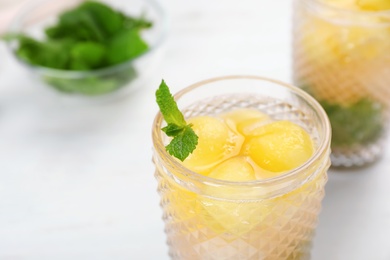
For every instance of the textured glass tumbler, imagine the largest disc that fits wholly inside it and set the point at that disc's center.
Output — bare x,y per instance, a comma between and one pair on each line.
274,218
342,58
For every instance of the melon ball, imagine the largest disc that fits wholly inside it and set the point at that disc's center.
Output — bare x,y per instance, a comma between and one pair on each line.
282,146
213,138
373,5
234,169
240,118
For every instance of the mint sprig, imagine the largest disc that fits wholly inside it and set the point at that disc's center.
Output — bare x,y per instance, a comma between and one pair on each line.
184,138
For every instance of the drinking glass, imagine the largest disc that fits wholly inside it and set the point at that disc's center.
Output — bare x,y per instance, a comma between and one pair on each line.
273,218
341,57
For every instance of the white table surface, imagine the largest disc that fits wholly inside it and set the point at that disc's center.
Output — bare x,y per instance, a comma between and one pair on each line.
77,182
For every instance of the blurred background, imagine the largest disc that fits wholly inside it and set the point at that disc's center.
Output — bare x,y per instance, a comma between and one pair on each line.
76,178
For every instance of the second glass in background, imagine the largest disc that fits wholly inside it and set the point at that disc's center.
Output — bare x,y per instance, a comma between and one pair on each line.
341,57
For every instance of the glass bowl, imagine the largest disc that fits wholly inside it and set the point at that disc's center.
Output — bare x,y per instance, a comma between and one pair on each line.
114,80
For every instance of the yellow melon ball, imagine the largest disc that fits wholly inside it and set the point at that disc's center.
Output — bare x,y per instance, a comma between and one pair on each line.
212,143
240,118
267,127
373,5
281,147
337,45
234,169
346,4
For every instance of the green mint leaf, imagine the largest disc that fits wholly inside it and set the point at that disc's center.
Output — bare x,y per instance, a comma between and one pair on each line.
184,138
183,144
168,106
10,36
125,45
136,23
357,123
108,20
89,54
52,54
172,129
76,24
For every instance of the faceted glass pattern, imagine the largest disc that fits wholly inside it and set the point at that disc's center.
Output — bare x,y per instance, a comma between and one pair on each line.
200,226
342,58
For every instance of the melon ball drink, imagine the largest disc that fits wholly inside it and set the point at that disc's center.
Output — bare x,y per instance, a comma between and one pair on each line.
341,56
252,186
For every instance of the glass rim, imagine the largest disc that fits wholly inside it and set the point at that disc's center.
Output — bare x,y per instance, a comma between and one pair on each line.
346,10
322,148
70,74
335,7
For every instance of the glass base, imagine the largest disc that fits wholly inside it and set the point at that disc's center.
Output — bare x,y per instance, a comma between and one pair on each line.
356,156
